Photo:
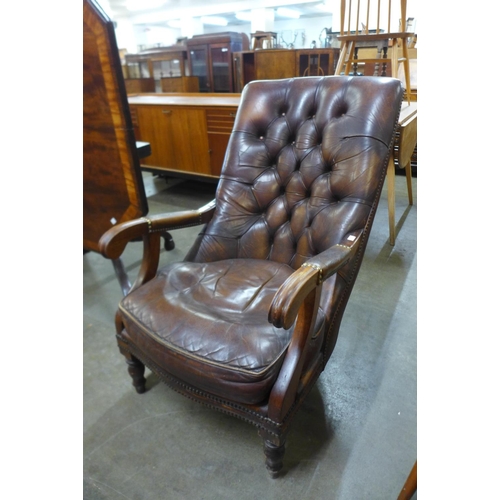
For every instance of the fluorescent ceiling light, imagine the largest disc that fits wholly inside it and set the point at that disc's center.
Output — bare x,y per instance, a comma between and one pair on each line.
175,23
243,16
284,12
326,6
217,21
144,4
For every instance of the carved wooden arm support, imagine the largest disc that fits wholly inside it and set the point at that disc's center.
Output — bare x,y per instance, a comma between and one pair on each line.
290,296
115,239
298,299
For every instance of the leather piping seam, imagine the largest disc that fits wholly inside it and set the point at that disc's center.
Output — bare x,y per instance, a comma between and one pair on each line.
360,251
178,385
178,350
171,380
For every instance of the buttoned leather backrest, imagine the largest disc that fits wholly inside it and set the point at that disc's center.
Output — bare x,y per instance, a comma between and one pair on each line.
303,167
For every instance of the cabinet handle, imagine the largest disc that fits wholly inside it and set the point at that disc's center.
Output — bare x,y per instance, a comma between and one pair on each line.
232,114
166,111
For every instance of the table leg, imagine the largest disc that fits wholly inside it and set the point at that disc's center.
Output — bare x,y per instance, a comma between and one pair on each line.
410,485
408,183
391,199
122,276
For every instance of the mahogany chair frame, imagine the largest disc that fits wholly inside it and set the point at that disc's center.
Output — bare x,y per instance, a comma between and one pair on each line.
296,301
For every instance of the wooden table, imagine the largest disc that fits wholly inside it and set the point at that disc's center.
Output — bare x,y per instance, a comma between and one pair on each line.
407,143
113,189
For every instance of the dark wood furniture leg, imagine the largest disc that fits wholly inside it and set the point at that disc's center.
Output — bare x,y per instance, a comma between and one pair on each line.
121,275
136,370
274,457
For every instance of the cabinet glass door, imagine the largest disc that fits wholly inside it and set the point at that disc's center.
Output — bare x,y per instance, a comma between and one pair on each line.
139,69
167,69
199,66
221,68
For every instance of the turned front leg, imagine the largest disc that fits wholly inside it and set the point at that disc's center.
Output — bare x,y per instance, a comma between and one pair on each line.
274,457
136,370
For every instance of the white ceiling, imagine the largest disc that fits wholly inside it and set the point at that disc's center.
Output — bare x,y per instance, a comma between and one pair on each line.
177,9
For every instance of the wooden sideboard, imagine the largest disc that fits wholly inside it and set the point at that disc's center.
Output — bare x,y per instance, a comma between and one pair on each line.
188,133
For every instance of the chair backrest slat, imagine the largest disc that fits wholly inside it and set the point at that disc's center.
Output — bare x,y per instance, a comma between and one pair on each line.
378,17
349,23
367,16
389,16
354,11
357,19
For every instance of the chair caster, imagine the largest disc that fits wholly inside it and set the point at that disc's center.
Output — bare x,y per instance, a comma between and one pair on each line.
169,243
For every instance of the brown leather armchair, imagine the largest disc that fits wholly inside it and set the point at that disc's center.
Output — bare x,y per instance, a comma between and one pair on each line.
247,322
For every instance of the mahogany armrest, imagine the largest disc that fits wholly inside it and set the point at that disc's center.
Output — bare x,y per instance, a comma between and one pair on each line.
292,293
114,240
298,300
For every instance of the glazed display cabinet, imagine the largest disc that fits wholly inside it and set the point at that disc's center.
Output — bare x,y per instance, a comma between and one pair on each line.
210,59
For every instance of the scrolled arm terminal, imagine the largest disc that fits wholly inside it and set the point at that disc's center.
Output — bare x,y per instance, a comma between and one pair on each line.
115,239
290,296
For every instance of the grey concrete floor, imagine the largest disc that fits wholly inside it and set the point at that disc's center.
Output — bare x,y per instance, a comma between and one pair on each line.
354,439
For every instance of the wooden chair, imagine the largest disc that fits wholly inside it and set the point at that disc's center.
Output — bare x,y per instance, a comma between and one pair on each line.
355,33
247,322
113,189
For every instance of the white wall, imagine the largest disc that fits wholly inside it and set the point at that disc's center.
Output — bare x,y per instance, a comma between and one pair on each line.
132,36
311,27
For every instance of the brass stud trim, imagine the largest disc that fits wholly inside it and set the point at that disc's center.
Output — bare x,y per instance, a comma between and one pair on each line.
315,266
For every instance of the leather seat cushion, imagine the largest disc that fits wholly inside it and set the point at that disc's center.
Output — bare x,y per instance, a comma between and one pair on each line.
207,324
